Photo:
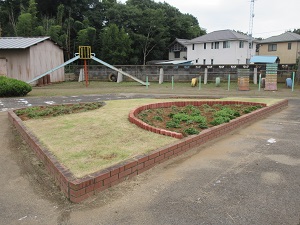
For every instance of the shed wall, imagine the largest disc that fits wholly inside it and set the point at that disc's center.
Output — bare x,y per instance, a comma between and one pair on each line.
44,57
17,63
26,64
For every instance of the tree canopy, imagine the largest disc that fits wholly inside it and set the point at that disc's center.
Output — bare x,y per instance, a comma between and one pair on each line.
131,33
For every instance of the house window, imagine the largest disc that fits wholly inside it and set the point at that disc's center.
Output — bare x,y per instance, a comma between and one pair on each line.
250,45
204,61
212,45
216,45
226,44
176,55
241,45
196,60
211,61
193,46
272,47
177,47
204,45
289,46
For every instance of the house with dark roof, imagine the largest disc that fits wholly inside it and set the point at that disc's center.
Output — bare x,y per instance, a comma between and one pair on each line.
286,46
221,47
26,58
178,50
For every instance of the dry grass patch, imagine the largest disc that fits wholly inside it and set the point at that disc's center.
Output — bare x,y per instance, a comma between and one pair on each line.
89,141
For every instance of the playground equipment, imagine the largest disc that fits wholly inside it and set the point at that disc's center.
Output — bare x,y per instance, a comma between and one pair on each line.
243,79
271,77
85,53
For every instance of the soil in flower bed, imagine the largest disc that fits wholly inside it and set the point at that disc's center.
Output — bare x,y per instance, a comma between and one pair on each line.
191,119
57,110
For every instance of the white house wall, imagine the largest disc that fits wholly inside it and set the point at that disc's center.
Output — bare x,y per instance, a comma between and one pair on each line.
44,57
232,55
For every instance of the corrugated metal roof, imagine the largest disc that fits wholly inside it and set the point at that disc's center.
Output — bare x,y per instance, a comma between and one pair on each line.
20,42
263,59
220,35
285,37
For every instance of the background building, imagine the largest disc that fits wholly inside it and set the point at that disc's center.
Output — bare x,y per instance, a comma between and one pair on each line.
26,58
286,46
220,47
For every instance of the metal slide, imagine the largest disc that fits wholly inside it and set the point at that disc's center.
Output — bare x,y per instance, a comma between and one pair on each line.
56,68
119,71
77,56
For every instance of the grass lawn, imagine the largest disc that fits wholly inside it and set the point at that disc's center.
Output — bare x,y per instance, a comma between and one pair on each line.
89,141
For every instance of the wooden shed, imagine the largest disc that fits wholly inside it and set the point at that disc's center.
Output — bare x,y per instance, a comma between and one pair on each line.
25,58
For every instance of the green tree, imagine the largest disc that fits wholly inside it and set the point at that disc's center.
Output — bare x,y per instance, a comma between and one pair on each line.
32,9
60,14
116,47
24,25
86,36
297,31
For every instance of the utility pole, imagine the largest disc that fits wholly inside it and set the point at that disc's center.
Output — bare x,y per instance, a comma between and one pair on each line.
250,40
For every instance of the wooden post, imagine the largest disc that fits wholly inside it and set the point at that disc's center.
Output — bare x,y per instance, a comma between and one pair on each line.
86,73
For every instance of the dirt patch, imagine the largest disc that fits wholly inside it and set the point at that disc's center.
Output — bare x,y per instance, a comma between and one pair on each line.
192,119
56,110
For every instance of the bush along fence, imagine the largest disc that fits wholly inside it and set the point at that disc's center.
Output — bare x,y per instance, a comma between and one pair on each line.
79,189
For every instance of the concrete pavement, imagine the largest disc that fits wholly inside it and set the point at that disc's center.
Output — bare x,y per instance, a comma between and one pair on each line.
250,176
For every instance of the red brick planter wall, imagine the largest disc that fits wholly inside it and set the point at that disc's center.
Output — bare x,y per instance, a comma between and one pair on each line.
79,189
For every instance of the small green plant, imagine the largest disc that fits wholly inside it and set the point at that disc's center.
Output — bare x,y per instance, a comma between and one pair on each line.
174,108
173,124
219,120
159,112
181,117
199,119
143,114
158,118
249,109
203,125
191,131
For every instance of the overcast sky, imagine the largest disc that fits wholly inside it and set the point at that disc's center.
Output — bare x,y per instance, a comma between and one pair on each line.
271,17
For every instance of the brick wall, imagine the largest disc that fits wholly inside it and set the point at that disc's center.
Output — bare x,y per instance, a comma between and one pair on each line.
79,189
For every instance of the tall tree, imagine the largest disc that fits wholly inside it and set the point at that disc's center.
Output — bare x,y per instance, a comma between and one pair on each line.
116,45
86,36
23,26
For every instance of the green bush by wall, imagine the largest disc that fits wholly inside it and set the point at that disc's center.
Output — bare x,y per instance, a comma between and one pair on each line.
10,87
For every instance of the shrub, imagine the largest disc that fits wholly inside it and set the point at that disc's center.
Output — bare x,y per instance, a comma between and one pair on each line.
191,131
173,124
219,120
10,87
158,118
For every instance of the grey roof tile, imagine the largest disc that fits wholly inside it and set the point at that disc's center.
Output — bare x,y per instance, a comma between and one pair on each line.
285,37
20,42
220,35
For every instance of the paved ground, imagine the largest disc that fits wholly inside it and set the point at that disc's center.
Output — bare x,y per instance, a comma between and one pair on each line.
250,176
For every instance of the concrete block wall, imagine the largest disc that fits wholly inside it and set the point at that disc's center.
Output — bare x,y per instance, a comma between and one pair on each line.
79,189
